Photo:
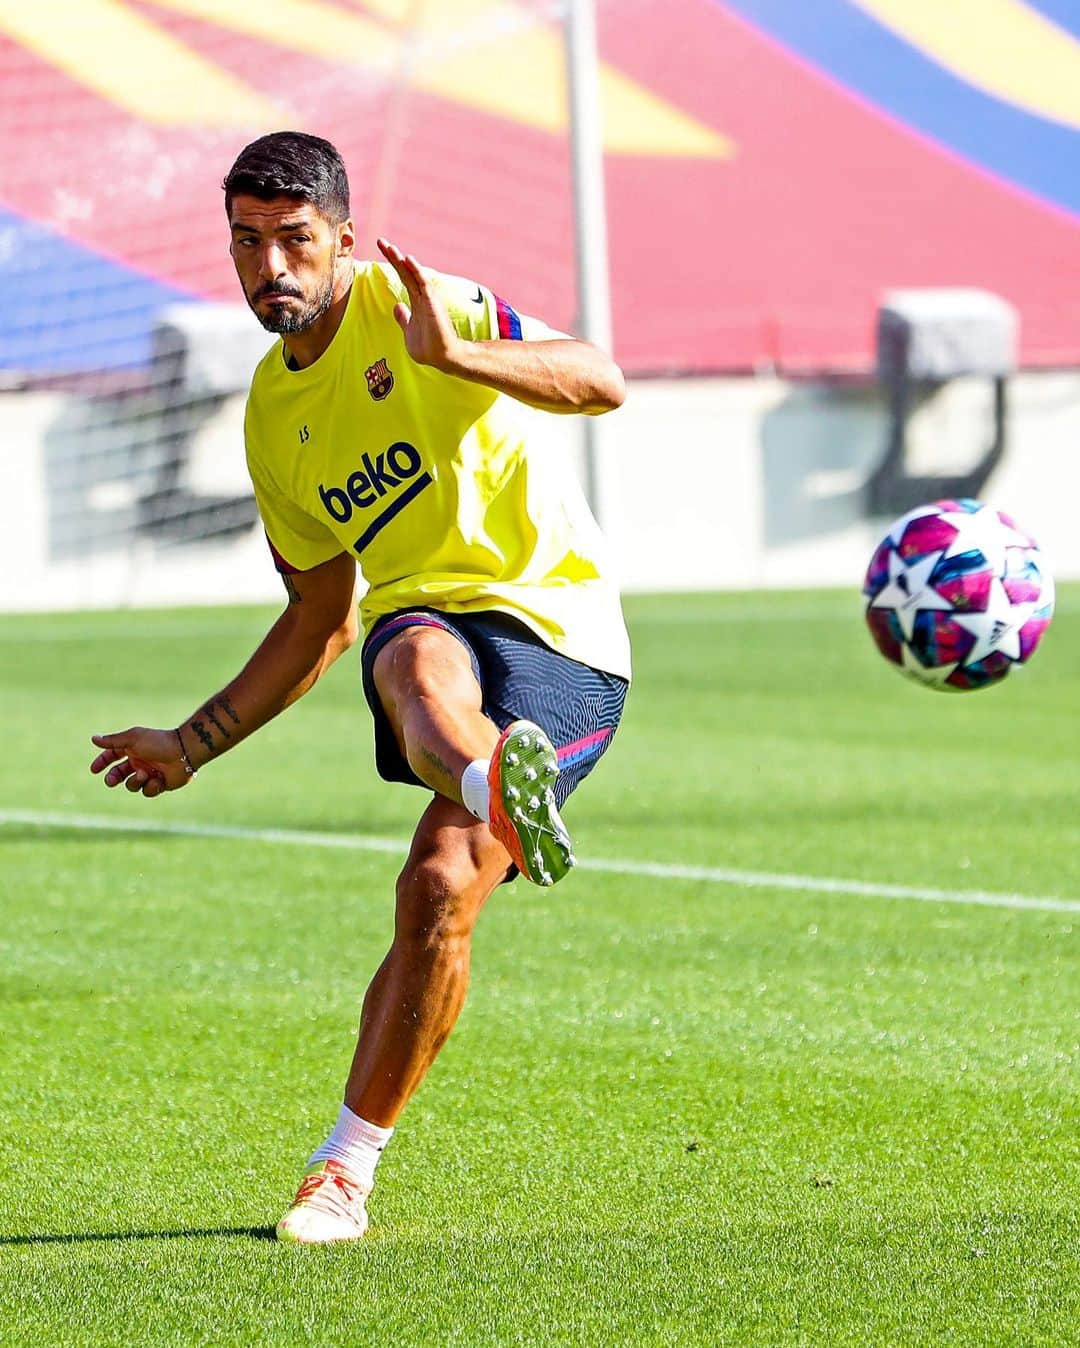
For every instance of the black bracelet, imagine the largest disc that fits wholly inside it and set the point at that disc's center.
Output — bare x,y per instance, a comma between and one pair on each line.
191,772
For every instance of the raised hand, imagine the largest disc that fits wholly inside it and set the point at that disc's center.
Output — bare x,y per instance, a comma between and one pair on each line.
143,759
430,336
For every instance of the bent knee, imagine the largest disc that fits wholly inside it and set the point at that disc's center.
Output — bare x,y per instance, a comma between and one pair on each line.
423,662
438,901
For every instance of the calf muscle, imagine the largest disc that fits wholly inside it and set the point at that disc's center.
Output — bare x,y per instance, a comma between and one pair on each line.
417,994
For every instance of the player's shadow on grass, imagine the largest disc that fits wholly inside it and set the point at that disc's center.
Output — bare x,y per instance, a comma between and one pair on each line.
87,1237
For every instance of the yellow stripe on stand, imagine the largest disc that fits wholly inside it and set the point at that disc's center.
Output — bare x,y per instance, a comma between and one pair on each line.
114,51
494,58
1003,47
309,26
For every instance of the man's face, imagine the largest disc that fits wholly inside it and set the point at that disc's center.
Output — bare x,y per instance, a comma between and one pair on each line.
286,255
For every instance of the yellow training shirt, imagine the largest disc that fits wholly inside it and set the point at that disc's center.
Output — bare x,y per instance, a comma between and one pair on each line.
429,481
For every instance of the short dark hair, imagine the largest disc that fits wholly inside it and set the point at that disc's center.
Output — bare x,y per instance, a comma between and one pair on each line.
291,164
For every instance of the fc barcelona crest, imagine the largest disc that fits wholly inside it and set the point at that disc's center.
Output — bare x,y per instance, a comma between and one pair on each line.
379,379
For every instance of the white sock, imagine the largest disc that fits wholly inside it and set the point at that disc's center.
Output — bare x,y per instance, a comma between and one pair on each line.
356,1143
474,789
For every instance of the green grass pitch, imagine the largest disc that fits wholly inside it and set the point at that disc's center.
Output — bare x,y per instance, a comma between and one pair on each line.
677,1110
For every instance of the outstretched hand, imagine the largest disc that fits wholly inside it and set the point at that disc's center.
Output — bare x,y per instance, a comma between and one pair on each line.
144,760
430,336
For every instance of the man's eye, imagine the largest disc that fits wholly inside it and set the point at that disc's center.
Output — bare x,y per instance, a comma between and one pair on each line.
301,238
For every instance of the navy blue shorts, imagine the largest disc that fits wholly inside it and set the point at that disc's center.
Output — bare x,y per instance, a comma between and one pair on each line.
520,677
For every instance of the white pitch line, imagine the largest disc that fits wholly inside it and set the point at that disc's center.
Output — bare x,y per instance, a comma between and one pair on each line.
92,823
134,632
807,884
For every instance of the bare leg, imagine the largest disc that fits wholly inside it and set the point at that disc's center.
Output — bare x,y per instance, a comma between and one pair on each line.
425,680
417,994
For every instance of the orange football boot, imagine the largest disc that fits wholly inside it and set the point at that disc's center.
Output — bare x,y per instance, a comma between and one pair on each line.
522,810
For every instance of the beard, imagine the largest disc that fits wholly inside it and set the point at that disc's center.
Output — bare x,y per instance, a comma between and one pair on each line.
290,321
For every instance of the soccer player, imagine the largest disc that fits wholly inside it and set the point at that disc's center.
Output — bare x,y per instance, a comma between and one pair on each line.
386,428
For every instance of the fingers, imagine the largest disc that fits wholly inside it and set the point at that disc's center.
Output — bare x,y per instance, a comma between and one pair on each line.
393,254
103,760
396,258
142,775
112,748
402,313
407,267
122,768
137,776
119,772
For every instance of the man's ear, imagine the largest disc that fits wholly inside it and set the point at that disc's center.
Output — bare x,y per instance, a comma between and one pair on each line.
346,238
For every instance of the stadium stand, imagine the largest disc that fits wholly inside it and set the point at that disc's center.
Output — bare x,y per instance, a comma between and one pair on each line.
901,154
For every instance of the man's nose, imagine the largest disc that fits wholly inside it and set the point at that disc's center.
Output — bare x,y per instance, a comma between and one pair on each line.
272,262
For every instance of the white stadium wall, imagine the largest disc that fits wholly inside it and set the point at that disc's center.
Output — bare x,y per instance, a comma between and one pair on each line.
745,483
717,483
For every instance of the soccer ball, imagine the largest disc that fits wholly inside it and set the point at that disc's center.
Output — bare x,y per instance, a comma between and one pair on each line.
957,595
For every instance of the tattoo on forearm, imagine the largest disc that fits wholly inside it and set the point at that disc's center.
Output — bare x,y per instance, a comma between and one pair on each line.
207,719
295,597
209,709
200,729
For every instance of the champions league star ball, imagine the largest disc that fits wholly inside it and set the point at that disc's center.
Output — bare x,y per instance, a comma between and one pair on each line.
957,595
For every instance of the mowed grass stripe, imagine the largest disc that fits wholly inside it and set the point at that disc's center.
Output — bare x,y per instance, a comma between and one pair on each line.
683,1108
808,884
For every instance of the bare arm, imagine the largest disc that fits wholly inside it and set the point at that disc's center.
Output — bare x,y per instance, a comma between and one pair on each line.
560,375
556,376
317,626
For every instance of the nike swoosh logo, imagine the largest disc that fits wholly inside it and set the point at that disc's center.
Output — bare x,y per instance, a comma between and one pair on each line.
478,298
